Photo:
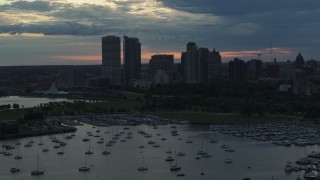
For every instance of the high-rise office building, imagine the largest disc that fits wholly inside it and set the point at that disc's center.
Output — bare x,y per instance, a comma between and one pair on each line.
132,59
183,67
204,54
214,66
192,63
254,69
199,65
237,70
299,63
111,59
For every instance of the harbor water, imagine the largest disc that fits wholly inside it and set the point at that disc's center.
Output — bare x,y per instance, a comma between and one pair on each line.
253,159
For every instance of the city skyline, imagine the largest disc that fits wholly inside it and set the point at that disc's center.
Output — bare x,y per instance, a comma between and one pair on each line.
69,32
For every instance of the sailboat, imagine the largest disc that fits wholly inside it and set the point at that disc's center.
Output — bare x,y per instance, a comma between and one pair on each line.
164,137
106,152
18,157
61,152
7,153
37,172
142,143
169,158
201,152
89,152
45,149
86,139
174,132
142,168
224,146
181,153
228,160
18,143
40,143
28,145
206,154
175,167
212,139
189,141
14,170
84,168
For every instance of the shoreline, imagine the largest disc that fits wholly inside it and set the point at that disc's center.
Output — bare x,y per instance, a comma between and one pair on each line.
67,129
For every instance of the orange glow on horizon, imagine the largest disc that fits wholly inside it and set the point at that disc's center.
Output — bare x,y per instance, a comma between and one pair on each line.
254,53
77,58
146,56
230,54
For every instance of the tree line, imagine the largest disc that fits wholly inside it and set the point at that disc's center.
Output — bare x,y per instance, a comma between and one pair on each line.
226,97
8,106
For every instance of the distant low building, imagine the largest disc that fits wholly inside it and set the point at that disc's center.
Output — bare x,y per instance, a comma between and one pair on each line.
161,62
161,77
75,78
285,87
142,84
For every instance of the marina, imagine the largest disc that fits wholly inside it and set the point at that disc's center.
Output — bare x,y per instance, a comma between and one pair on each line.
216,152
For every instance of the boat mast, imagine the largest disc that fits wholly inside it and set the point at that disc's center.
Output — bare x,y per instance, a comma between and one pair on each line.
176,159
85,161
37,162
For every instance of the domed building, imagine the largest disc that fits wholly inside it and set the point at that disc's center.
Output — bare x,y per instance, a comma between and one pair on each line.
299,63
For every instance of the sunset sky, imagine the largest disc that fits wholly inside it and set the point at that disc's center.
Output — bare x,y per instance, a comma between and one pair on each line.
50,32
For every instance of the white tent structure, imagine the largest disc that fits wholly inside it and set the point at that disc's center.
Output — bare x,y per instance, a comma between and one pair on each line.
53,90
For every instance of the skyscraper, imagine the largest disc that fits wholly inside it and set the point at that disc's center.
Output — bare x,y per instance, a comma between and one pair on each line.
299,63
111,59
183,68
192,63
214,66
254,69
237,70
132,59
203,65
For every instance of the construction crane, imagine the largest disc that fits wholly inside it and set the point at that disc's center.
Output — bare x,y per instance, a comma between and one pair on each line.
258,54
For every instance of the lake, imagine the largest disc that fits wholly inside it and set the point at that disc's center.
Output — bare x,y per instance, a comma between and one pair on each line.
28,102
257,160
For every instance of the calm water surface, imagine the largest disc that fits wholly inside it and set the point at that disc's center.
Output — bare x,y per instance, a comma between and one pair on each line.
265,159
29,101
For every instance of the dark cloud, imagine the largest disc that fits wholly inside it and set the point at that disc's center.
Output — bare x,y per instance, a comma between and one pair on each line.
250,24
228,25
41,6
54,28
240,8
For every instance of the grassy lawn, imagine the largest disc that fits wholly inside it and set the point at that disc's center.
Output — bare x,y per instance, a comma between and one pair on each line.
129,104
10,115
133,105
207,118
